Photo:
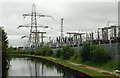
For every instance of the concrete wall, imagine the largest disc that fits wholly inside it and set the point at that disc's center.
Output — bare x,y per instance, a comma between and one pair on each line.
75,48
113,49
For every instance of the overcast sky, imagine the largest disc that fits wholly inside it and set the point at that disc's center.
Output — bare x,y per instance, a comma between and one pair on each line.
78,15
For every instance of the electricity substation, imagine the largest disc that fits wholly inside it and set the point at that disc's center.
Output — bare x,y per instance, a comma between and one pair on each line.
106,35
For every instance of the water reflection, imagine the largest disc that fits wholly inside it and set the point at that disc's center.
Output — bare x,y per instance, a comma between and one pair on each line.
36,67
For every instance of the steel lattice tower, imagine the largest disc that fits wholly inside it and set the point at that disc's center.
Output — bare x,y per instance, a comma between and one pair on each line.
34,34
62,32
33,26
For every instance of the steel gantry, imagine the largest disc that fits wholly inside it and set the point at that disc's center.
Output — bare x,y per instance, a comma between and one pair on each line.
75,37
113,32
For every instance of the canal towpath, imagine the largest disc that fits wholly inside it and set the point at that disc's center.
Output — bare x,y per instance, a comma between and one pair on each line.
89,67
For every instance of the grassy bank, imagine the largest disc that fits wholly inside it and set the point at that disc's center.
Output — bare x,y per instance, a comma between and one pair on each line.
78,68
89,55
109,66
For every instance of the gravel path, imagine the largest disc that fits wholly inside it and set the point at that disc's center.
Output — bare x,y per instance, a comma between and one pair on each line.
89,67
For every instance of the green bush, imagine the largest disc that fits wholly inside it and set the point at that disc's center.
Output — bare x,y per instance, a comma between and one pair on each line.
98,55
67,52
94,53
14,52
10,50
85,53
58,53
21,51
112,64
38,51
54,55
27,52
42,52
76,56
31,52
47,51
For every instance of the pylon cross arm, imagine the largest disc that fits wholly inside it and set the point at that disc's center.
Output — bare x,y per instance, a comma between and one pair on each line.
33,26
45,16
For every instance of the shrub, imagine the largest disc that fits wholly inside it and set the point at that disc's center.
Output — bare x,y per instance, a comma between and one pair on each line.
113,64
75,56
38,51
42,52
54,55
98,55
14,52
85,53
10,50
21,51
58,53
31,52
27,52
67,52
47,51
94,53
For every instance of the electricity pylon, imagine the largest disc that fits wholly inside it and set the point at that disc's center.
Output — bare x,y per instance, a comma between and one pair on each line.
34,26
61,31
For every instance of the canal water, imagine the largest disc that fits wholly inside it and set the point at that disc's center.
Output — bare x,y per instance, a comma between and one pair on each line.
24,66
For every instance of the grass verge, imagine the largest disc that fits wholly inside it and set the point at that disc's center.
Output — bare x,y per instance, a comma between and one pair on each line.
78,68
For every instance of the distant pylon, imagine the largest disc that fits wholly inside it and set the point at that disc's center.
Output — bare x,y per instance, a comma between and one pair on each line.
61,31
62,28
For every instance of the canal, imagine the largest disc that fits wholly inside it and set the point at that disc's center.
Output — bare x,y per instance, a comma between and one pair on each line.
26,66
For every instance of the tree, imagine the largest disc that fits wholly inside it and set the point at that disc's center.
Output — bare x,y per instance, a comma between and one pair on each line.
4,44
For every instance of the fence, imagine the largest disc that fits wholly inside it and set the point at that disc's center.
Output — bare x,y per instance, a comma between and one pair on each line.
113,49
